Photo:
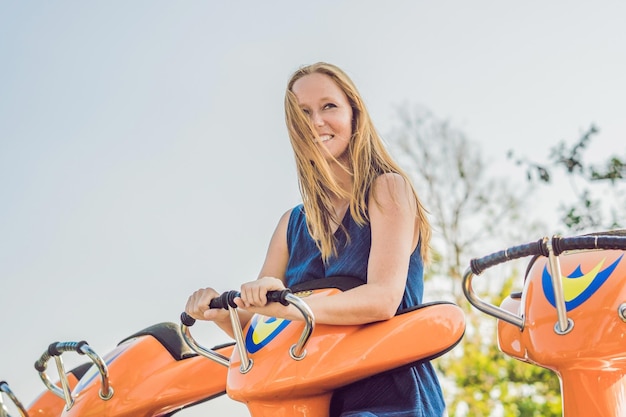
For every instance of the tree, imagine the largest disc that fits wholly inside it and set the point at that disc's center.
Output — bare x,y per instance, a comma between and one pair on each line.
491,383
467,207
590,184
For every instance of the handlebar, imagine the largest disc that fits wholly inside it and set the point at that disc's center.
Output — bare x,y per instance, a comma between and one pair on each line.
550,248
540,247
4,387
529,249
55,350
226,301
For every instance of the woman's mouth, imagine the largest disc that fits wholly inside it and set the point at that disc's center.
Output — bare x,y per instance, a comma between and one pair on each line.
324,138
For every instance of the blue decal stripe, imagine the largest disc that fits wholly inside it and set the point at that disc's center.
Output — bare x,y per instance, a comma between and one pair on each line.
253,347
597,282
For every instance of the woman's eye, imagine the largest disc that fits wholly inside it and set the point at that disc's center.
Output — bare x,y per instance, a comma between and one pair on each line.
330,106
305,111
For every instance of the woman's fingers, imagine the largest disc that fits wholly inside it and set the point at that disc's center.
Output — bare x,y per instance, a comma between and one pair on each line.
198,304
255,293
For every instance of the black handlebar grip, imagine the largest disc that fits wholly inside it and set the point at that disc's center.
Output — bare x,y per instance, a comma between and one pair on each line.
40,366
562,244
278,296
533,248
559,245
228,299
187,320
225,300
53,349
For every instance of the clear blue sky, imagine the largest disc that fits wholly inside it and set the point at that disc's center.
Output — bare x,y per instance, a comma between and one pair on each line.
143,152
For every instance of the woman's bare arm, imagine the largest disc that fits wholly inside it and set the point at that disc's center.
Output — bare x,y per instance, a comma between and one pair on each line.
393,217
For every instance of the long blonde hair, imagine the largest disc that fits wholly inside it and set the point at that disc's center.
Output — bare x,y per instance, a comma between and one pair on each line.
367,159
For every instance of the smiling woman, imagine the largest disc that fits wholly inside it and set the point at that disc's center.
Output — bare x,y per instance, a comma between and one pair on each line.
328,110
360,217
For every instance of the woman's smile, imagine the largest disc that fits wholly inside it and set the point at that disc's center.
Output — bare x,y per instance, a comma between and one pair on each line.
325,138
328,109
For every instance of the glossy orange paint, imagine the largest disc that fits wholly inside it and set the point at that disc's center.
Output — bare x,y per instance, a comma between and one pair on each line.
279,385
590,360
48,404
147,381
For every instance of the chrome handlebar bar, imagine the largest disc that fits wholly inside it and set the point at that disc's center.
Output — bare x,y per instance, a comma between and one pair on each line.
297,351
55,350
550,248
4,387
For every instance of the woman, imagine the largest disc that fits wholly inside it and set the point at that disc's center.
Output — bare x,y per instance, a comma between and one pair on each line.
360,217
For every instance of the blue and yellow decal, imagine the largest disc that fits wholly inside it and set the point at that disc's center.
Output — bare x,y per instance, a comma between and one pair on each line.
262,331
578,286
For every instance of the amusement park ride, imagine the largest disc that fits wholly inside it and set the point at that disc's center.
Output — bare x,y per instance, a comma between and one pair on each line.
570,317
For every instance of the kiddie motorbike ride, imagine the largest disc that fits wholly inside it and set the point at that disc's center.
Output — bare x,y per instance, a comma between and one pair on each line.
276,367
570,317
151,373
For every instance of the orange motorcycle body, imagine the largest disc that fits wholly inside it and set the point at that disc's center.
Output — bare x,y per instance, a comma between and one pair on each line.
154,373
279,385
150,376
589,358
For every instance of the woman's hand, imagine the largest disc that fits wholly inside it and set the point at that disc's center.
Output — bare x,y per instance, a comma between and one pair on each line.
254,293
254,299
198,306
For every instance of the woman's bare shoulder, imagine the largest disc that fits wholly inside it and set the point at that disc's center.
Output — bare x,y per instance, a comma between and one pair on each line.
391,187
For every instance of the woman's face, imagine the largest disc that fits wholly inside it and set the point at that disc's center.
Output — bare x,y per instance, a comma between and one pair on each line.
329,110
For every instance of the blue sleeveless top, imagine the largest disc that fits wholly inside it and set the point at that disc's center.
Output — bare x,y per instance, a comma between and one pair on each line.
406,392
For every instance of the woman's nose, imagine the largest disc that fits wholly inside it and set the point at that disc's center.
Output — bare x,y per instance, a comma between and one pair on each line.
317,119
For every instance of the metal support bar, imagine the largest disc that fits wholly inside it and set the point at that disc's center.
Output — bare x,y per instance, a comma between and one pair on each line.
563,325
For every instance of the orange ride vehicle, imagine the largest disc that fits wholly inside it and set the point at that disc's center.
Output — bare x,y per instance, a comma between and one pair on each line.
570,317
278,368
